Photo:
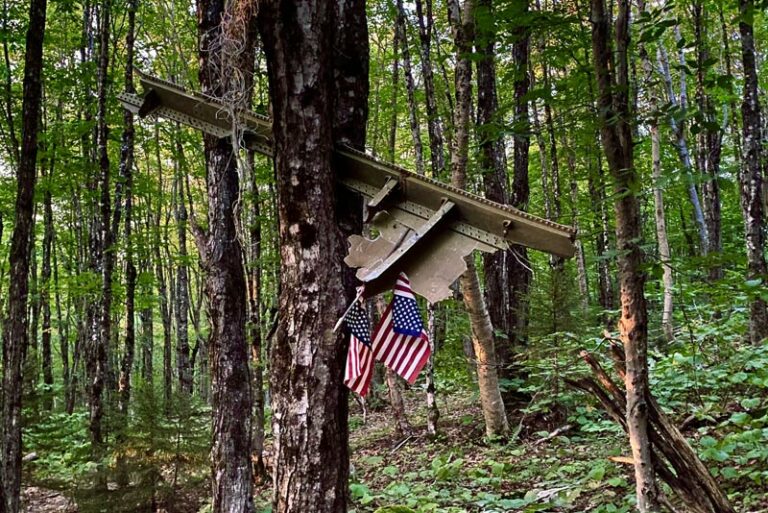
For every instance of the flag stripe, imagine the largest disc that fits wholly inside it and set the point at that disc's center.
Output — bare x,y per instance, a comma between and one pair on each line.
359,357
406,355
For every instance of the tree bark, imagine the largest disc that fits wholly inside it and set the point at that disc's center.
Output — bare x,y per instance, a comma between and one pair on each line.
437,166
681,143
581,261
126,173
63,329
314,49
658,195
751,175
410,87
393,386
462,20
616,133
226,45
15,327
519,269
434,125
45,291
710,141
182,287
492,164
433,413
254,318
402,427
146,318
100,315
661,236
163,282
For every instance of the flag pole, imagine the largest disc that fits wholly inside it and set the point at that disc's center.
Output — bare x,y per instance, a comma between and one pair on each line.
360,291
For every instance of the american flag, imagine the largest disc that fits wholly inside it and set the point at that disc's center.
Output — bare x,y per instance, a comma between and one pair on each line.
399,341
359,368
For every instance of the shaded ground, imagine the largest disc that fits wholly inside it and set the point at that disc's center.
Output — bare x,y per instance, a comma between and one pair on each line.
549,466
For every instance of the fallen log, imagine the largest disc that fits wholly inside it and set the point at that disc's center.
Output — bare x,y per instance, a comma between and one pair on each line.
675,461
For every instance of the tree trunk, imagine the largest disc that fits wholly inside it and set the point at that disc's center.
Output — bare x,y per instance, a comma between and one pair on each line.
313,53
519,269
126,173
434,125
162,288
146,318
661,235
101,314
63,330
392,135
681,144
254,319
581,261
433,413
126,182
15,327
658,195
393,386
182,286
402,427
616,134
462,20
226,35
492,164
410,87
45,292
710,145
751,175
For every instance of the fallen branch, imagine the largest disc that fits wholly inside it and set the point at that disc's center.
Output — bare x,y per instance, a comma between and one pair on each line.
674,460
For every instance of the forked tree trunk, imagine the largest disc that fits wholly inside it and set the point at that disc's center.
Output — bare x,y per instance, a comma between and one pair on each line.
751,174
317,60
616,134
15,327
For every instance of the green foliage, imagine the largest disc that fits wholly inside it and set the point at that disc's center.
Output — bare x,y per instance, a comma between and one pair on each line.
62,444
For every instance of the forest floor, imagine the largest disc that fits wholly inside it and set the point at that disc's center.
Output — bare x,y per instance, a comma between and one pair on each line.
552,463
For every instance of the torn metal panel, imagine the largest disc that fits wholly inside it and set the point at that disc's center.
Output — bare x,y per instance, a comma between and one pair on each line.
501,222
431,267
426,228
420,236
